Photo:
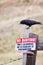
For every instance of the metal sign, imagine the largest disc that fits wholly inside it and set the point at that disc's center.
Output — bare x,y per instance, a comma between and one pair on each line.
25,44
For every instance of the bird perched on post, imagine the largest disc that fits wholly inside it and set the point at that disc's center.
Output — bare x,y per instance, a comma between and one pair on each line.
29,22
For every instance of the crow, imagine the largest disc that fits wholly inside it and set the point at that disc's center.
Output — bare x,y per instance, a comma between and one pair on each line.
29,22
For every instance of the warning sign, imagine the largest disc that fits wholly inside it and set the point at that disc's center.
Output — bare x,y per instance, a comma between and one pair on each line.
25,44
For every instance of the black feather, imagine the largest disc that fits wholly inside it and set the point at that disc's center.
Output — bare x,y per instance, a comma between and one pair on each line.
29,22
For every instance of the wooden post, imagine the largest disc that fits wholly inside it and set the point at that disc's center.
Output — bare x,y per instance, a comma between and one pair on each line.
26,35
30,59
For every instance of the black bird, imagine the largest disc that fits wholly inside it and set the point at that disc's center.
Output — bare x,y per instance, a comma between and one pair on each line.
29,22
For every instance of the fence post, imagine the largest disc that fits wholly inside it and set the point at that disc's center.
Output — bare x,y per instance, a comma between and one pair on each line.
30,58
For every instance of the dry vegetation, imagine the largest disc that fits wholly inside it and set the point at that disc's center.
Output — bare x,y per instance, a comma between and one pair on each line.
11,13
20,2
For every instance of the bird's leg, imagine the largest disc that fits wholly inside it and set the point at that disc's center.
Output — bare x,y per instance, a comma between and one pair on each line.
28,27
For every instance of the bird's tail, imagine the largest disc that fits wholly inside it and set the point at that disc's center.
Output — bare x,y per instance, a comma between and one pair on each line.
39,23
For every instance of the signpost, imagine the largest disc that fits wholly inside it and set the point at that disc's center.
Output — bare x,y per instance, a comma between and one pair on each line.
29,47
29,44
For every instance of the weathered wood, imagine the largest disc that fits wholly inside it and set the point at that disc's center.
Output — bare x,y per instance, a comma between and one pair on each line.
40,45
30,58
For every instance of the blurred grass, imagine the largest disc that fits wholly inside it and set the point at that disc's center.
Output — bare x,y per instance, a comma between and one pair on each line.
39,59
16,58
10,32
10,58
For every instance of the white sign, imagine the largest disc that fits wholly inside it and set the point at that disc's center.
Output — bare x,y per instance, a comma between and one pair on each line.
25,44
